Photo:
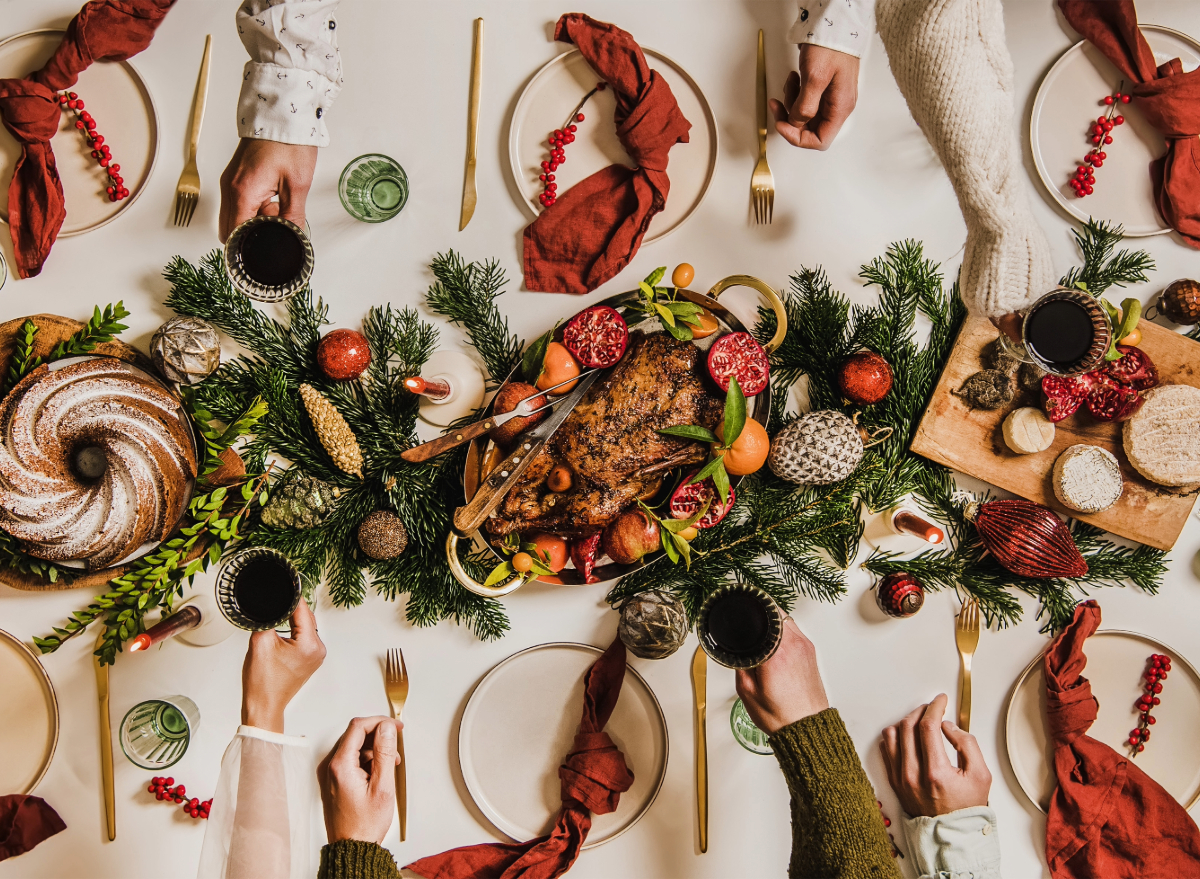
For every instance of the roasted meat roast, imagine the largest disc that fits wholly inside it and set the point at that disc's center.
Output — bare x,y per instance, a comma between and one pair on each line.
610,442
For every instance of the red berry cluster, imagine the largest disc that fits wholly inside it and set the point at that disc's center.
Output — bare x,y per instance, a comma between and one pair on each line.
1100,134
162,790
1157,667
559,138
101,151
887,823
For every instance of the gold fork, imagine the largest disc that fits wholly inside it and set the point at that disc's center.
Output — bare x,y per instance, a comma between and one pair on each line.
762,184
396,682
966,636
187,190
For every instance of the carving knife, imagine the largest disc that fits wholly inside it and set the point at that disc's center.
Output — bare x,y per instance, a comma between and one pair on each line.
106,753
506,474
469,196
700,684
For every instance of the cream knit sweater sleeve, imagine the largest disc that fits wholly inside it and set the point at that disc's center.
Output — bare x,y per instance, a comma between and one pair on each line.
951,63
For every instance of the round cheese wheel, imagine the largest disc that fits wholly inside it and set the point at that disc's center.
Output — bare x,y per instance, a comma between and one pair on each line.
1163,439
1087,479
1028,430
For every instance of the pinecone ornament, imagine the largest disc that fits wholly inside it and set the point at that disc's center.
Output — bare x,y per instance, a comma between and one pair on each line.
1180,302
653,624
186,350
816,449
300,502
900,595
333,431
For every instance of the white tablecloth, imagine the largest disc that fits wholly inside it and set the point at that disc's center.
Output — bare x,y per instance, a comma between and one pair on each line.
406,68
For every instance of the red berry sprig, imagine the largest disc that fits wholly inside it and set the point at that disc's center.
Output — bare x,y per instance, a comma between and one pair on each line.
559,138
160,786
1157,667
887,823
1100,134
101,151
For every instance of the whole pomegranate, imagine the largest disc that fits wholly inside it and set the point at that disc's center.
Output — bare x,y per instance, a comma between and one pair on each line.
630,536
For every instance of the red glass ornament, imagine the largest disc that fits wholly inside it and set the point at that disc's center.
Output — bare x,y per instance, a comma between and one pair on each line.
865,378
1028,539
900,595
343,355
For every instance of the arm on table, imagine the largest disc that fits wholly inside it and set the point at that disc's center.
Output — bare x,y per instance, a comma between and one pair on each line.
836,827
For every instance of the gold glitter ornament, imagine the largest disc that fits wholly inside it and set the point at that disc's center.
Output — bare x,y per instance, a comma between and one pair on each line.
382,535
333,431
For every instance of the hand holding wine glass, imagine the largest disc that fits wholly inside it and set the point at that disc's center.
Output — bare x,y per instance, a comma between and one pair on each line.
276,668
785,688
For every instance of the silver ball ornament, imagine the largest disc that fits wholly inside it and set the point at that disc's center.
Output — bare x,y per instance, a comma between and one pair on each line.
186,350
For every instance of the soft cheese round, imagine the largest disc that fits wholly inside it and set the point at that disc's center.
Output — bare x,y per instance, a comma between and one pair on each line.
60,421
1162,440
1088,479
1028,430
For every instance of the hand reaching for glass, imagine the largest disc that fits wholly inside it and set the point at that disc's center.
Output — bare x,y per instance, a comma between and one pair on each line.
358,781
276,668
785,688
259,171
920,772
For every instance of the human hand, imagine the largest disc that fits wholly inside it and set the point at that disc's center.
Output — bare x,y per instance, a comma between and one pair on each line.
787,686
818,97
276,668
1010,324
260,170
358,782
919,771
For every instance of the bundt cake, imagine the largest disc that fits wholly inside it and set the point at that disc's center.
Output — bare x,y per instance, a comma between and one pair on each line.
95,460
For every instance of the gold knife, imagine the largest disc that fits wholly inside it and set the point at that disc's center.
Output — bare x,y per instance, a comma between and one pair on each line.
469,196
106,753
700,683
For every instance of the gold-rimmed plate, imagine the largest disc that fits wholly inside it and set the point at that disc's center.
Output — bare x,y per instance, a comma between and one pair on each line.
1116,663
28,717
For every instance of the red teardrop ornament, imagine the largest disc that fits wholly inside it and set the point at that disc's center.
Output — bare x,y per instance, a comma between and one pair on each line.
1028,539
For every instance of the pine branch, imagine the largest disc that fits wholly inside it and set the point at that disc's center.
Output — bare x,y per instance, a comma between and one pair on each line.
466,293
103,326
1101,269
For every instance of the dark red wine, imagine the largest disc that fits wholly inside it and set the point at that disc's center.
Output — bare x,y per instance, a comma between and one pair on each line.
739,623
272,254
1060,332
265,589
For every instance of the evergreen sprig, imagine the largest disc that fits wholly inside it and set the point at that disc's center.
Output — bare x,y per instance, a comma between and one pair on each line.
466,294
102,326
1102,269
22,361
217,438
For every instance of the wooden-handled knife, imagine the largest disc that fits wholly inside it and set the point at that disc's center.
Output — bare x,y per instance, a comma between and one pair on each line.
508,472
106,752
700,684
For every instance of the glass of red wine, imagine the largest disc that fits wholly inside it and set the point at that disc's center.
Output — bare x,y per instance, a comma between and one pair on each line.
269,259
739,626
1066,332
258,589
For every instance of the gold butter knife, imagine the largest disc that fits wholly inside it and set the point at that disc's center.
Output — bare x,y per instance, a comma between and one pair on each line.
700,683
106,753
469,196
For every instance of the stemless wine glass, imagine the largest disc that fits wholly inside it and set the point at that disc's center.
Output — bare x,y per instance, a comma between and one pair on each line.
718,616
3,270
155,734
243,282
227,593
747,734
1094,355
373,188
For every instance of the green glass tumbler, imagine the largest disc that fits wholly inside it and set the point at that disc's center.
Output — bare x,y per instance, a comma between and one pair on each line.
373,188
155,734
747,734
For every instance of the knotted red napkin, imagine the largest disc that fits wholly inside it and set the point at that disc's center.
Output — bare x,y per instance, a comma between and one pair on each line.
596,226
593,778
24,822
1108,819
104,30
1168,98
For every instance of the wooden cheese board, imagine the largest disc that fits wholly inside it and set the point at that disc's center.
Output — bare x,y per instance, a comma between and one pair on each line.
971,442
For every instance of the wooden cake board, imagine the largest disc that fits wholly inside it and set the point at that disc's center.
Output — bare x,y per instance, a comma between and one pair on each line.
971,441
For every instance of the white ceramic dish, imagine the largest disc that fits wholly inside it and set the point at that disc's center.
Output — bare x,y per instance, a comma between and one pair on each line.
115,93
518,727
1069,100
1116,661
559,86
28,717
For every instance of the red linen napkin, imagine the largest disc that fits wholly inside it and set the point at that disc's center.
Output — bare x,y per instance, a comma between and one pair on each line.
1108,819
596,226
24,822
1168,98
104,30
593,778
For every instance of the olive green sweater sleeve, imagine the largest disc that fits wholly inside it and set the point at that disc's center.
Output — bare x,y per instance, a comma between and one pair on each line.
837,832
351,859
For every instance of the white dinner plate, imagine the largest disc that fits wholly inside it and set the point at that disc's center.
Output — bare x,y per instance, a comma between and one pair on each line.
559,86
518,727
1116,663
115,94
28,717
1068,102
